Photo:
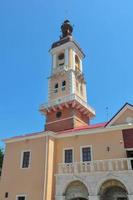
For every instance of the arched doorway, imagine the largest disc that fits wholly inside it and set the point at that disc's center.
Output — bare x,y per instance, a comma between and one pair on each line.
76,190
113,190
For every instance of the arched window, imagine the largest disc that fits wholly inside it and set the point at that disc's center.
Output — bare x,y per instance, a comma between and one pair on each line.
61,56
63,85
77,63
61,59
56,88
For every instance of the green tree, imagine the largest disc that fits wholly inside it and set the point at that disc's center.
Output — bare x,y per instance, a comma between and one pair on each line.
1,159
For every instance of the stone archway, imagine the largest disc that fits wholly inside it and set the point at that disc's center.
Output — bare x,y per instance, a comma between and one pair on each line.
78,199
113,190
76,190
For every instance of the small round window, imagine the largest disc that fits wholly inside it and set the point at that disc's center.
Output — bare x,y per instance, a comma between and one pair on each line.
58,114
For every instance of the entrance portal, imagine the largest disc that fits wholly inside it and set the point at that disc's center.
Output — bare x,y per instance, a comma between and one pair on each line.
113,190
79,199
76,191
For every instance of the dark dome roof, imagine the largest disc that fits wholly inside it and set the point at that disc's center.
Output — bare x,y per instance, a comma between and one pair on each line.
66,28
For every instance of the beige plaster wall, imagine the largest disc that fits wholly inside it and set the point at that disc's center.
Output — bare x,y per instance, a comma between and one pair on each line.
99,143
30,181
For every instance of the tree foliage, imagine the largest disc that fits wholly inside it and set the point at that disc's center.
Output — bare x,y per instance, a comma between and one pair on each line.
1,158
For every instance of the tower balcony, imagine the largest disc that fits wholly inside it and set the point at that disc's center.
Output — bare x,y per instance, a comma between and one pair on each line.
121,164
60,68
69,100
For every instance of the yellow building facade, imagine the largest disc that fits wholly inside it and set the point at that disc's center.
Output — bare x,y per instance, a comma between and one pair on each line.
71,159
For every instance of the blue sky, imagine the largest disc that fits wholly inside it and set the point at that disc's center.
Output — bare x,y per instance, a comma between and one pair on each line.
103,28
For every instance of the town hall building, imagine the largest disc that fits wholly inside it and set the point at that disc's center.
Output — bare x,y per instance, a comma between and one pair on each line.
71,159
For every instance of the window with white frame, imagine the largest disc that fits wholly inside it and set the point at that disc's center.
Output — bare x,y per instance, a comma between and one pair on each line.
21,197
86,154
61,59
63,85
25,162
68,155
56,88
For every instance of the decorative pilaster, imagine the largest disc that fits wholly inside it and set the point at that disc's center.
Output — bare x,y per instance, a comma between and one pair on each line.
95,197
81,67
72,83
74,59
130,197
66,57
54,61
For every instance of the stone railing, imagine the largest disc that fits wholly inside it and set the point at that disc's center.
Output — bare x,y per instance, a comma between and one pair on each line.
96,166
60,68
66,99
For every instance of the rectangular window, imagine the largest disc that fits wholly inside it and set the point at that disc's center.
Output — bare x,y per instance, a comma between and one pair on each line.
26,159
21,198
6,195
68,155
63,85
86,154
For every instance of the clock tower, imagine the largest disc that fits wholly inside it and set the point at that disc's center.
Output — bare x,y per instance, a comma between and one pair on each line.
67,106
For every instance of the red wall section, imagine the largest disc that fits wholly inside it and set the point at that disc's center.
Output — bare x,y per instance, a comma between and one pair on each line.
128,138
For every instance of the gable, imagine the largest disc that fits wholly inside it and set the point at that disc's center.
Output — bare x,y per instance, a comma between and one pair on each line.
123,116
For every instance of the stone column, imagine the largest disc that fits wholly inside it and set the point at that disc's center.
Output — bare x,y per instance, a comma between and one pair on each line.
54,61
72,82
130,197
74,60
59,198
94,197
81,67
66,57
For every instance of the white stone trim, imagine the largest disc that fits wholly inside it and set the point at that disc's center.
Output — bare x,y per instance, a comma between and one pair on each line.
74,54
59,120
66,57
118,176
22,157
81,65
94,181
72,82
72,134
54,61
30,137
68,148
94,197
129,149
65,46
130,197
95,131
21,195
81,155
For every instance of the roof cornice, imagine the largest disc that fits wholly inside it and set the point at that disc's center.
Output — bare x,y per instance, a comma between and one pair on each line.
70,134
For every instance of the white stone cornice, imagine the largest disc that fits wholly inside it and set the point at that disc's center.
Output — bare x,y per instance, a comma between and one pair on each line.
70,44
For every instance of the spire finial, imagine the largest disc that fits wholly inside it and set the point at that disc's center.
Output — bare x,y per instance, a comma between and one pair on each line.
66,28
